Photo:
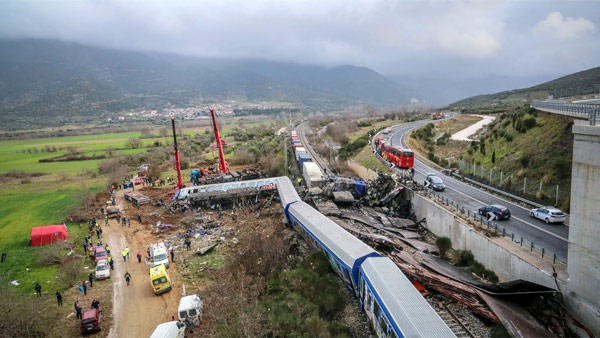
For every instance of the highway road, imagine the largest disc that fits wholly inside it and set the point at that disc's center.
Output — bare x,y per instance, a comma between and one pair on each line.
553,237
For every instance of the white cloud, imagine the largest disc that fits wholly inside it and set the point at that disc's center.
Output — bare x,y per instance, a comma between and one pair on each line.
556,25
476,44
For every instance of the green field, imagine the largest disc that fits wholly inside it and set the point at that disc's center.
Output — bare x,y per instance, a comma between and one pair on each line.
45,200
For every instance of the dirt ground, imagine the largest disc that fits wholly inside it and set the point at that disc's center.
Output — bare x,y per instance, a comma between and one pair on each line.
136,309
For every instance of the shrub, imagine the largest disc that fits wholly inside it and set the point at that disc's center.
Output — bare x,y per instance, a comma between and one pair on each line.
444,244
185,165
465,258
524,160
529,123
134,143
364,124
508,137
494,156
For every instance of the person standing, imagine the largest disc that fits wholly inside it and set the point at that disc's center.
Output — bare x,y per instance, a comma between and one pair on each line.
58,298
78,309
91,279
172,255
127,277
38,289
129,222
127,252
124,254
85,247
106,220
188,244
139,257
107,248
110,262
98,233
84,286
139,218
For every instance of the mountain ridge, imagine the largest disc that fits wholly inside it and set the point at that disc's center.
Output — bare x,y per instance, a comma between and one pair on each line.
53,78
584,82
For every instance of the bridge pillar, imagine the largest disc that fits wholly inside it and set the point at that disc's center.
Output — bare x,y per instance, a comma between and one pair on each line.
583,284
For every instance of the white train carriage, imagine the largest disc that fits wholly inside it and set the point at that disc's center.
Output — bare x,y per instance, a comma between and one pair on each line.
287,193
393,305
344,251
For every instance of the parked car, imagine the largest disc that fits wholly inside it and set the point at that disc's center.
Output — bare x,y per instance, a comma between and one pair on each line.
138,180
495,211
548,214
190,306
91,321
175,329
434,182
102,269
100,254
92,252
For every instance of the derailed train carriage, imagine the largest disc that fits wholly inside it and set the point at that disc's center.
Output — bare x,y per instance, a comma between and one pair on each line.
392,304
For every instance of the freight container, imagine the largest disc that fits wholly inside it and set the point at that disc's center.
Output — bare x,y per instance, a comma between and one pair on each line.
302,158
298,151
313,177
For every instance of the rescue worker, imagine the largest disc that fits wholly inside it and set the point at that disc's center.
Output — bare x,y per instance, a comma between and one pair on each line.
38,289
299,181
127,251
124,254
107,249
78,310
139,257
127,277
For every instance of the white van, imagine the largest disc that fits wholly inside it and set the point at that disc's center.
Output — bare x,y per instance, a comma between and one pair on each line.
159,254
190,306
169,330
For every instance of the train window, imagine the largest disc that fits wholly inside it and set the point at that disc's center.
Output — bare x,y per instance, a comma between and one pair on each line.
383,323
195,191
243,185
260,184
376,309
252,184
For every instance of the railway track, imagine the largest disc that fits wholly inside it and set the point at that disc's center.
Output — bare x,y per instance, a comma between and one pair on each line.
454,322
316,158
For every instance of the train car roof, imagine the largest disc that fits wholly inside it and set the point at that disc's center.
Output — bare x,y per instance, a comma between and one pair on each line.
402,302
339,241
287,192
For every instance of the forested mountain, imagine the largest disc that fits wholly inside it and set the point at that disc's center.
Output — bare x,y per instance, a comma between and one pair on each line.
47,78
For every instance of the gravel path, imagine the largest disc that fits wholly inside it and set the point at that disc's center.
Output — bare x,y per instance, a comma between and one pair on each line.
464,134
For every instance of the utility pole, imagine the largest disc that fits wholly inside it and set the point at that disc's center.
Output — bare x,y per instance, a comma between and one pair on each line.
285,153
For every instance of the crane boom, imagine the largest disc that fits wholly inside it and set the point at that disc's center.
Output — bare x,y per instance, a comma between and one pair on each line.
177,162
222,164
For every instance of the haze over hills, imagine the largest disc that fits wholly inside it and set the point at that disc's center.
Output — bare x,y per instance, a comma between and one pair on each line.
581,83
52,78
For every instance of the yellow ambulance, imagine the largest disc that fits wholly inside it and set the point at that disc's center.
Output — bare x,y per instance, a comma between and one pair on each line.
159,279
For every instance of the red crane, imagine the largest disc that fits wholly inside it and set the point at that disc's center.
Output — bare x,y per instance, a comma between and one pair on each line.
177,163
222,164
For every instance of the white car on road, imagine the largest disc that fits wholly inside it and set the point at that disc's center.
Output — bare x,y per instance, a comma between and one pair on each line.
548,214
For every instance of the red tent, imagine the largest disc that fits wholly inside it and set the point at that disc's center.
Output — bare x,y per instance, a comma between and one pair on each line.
48,234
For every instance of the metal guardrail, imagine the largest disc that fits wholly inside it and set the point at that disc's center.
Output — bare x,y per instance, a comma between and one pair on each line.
591,111
515,237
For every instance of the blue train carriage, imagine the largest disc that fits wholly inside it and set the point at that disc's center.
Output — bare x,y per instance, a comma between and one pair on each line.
287,193
393,305
344,251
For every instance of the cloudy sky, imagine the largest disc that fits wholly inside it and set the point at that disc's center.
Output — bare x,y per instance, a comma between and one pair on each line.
489,44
